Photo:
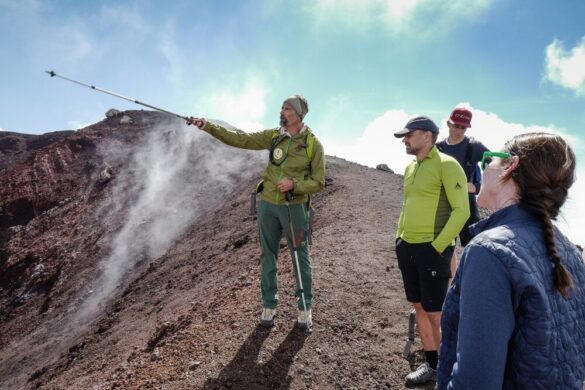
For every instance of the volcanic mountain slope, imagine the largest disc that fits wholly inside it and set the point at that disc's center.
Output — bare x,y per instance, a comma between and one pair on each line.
150,278
15,147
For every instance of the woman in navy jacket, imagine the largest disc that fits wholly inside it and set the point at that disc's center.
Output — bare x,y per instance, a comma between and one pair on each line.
514,316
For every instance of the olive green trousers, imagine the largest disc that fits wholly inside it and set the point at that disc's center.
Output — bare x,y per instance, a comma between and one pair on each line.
273,221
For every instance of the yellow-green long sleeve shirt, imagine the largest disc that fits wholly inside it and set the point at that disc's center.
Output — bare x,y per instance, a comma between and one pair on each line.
290,160
435,205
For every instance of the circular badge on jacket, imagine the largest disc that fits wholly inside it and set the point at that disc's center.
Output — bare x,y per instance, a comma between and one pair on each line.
277,153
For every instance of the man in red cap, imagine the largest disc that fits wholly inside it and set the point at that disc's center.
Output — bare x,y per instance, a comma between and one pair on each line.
468,152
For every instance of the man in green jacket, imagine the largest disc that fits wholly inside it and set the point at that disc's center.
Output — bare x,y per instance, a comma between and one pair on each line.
434,209
295,170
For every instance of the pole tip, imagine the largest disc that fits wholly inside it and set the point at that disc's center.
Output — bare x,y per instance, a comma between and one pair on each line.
50,72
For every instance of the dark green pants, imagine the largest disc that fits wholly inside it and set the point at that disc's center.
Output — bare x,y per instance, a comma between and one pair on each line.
273,221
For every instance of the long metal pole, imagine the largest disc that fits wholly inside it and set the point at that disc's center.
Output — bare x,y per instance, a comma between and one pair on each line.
296,256
53,74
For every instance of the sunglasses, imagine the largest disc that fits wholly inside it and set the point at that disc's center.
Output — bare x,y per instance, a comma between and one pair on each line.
487,158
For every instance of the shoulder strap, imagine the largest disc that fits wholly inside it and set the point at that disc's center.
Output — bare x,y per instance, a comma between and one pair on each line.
310,141
469,168
275,134
275,140
468,163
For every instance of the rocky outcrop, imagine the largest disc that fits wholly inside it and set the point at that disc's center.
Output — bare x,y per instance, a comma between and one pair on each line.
16,147
384,167
113,113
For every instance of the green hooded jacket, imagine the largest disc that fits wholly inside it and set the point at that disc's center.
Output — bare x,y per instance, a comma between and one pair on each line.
290,160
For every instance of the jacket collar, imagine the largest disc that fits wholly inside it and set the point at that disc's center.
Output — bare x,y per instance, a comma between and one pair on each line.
431,154
434,152
514,212
283,130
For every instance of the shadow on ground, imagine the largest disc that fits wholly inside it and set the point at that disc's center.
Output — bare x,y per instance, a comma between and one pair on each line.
245,372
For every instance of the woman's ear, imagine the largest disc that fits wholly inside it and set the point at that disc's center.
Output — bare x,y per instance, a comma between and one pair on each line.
509,170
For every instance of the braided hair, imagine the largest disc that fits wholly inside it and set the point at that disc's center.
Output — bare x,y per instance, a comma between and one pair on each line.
545,172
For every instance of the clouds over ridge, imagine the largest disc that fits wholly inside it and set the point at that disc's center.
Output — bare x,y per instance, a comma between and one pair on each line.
377,145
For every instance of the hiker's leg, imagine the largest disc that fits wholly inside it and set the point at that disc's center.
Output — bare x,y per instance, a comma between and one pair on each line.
300,223
427,331
269,231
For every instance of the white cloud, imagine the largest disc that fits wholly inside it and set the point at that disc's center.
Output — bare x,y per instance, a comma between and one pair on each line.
242,106
570,220
396,16
21,5
377,145
399,12
356,14
127,17
566,68
68,43
341,105
74,42
171,53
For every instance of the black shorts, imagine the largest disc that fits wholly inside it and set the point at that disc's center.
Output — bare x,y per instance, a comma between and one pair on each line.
425,273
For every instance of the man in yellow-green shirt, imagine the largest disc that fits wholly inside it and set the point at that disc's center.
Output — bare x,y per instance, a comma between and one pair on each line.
434,209
295,170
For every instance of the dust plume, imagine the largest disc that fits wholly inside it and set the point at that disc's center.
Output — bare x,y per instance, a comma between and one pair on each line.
176,175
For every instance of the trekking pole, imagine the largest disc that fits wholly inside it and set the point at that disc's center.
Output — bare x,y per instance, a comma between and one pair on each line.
411,328
288,197
53,74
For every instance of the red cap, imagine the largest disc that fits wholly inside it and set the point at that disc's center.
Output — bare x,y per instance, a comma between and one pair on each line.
461,117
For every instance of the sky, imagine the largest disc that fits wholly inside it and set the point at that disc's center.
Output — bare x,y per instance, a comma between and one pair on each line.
365,67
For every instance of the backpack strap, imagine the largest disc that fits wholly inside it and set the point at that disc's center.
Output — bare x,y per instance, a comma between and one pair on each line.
310,141
276,138
469,168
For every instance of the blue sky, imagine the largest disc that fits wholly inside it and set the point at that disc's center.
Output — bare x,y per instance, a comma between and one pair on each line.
365,67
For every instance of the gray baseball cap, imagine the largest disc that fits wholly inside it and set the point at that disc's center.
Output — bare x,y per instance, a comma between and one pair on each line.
418,123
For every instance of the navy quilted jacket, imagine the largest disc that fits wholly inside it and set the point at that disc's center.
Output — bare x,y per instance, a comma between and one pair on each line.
503,324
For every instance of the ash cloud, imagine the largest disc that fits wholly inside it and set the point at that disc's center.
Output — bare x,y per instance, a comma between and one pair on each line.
177,174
